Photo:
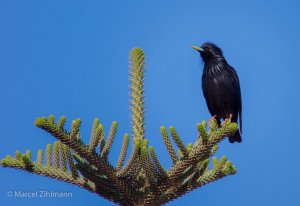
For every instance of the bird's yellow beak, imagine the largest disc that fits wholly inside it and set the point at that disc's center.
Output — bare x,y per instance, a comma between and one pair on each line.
197,48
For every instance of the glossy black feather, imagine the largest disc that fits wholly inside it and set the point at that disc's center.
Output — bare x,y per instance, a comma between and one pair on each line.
221,87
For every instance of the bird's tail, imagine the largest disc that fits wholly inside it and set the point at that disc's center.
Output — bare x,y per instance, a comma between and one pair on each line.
236,137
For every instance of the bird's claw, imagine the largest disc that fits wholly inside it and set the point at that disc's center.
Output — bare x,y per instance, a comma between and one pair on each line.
213,120
228,119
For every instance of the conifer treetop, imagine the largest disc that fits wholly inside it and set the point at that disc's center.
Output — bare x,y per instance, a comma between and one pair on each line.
142,180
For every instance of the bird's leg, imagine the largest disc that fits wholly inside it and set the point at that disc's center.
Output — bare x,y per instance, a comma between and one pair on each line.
228,119
214,119
217,119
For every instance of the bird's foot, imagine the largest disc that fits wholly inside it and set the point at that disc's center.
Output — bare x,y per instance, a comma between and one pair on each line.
213,122
214,117
228,119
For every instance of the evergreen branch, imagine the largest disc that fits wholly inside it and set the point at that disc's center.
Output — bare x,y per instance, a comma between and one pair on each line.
28,154
178,141
96,134
208,177
92,173
63,157
123,152
168,144
202,134
51,119
200,169
56,155
221,169
198,154
27,162
147,165
132,160
213,150
137,59
110,139
16,162
158,166
39,158
69,159
49,155
201,152
47,172
18,155
103,185
75,128
189,147
61,123
101,139
84,151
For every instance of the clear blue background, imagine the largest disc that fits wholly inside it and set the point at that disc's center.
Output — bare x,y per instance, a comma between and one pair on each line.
71,58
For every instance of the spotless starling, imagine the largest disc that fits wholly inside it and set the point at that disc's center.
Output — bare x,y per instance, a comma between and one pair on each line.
221,87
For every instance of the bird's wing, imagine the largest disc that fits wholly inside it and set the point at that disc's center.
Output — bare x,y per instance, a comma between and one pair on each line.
212,94
236,93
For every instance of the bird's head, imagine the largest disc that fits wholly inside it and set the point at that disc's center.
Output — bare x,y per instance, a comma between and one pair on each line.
209,51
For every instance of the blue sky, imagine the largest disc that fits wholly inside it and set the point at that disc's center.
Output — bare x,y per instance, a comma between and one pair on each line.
71,58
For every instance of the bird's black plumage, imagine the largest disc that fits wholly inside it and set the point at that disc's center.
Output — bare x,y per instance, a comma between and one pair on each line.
221,87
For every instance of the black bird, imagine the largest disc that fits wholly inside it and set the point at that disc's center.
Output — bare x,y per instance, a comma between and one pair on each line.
221,87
